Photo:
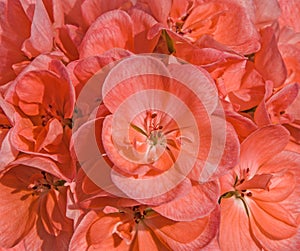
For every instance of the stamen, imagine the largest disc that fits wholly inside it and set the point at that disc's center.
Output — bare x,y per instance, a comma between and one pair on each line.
154,115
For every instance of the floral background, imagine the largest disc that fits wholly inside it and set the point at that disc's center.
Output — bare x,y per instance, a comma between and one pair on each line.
149,125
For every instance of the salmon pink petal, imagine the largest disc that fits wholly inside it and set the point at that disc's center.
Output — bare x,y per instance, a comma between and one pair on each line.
234,30
159,10
189,235
258,181
268,60
178,191
146,240
273,225
54,134
59,242
41,39
67,40
280,187
289,16
243,126
113,29
283,99
237,236
79,240
22,131
199,202
86,68
289,244
31,89
152,75
11,38
261,116
197,80
7,152
230,149
284,161
252,155
43,164
142,23
55,12
180,8
91,9
54,228
101,232
20,205
266,12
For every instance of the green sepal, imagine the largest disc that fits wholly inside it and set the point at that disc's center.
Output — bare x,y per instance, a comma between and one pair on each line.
226,195
169,42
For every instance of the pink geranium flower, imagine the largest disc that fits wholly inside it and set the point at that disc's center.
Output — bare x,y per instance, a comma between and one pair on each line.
259,205
227,22
143,134
44,98
141,228
282,108
33,206
30,29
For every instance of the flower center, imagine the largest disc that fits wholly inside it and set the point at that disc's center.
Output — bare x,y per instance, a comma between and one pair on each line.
43,182
49,112
241,186
154,133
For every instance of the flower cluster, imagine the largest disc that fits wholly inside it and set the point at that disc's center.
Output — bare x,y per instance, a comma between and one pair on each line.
149,125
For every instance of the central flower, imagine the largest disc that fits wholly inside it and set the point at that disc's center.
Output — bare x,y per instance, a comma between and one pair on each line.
155,126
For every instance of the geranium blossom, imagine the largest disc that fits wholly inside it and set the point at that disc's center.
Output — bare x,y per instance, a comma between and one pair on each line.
259,198
44,119
156,141
141,228
33,205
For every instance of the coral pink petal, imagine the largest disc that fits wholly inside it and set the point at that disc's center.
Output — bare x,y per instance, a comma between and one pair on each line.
41,39
30,88
143,22
253,155
43,164
229,147
258,181
274,224
12,36
243,126
199,202
178,191
79,240
281,100
19,204
190,235
7,152
281,186
113,29
242,36
146,240
159,10
91,9
268,60
151,75
283,162
237,236
54,133
197,80
266,12
289,16
261,116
